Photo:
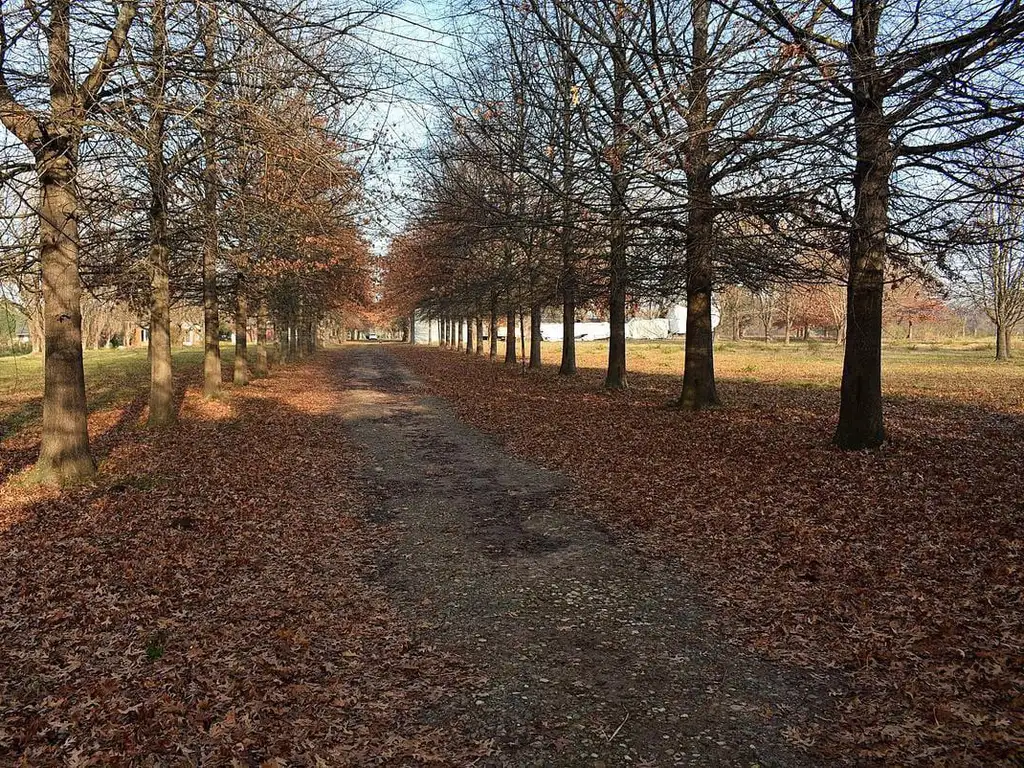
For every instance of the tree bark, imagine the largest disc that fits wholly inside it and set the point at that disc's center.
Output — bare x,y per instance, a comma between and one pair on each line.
699,389
211,185
479,334
535,335
492,330
567,367
161,393
615,377
161,404
469,335
64,454
510,337
262,366
241,370
1002,339
861,422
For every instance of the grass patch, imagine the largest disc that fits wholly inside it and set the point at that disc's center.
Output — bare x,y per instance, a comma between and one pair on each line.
961,371
112,377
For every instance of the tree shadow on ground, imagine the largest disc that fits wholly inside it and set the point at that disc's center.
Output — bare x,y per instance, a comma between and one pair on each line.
897,565
25,449
206,600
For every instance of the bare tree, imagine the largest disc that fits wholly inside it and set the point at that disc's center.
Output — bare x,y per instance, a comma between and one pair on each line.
919,85
52,131
991,265
767,302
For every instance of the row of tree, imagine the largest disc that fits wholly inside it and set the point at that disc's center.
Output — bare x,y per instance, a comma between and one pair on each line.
623,151
180,152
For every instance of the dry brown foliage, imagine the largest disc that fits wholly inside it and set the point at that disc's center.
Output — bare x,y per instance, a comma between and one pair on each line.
900,568
211,600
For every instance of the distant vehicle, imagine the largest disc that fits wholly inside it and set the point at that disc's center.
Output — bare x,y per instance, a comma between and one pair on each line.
371,337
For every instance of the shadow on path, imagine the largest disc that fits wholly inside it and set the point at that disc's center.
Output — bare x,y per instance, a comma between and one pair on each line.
595,655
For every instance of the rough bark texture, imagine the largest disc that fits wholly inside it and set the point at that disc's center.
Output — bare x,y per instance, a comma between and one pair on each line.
492,330
615,377
64,452
860,410
567,366
64,455
1002,347
510,337
262,366
241,371
211,244
699,389
161,404
161,401
568,363
535,335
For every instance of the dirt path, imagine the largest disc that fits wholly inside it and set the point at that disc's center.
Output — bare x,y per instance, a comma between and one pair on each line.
594,655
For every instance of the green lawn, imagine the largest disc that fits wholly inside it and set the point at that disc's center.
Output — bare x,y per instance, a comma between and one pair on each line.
112,376
963,371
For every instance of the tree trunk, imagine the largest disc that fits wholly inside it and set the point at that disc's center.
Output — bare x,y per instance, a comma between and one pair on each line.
1002,348
241,372
479,334
535,335
458,335
161,392
64,453
568,363
262,366
469,335
699,389
492,337
510,337
211,184
161,405
860,411
299,337
615,377
567,366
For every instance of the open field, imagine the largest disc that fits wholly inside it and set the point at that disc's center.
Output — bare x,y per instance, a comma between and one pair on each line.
117,388
963,372
186,609
898,569
112,376
892,574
